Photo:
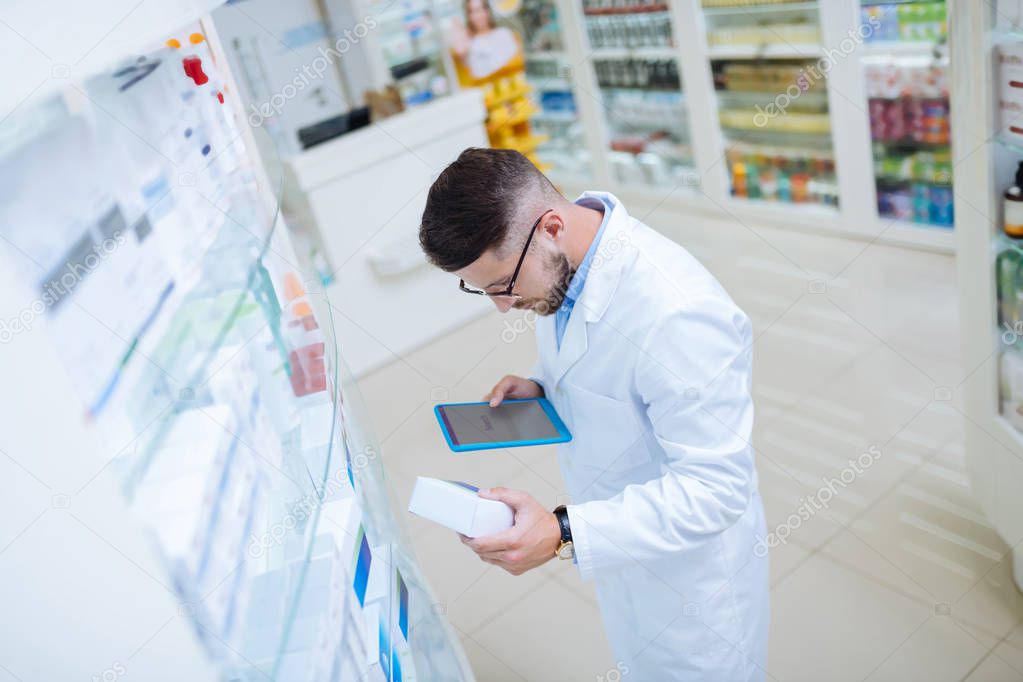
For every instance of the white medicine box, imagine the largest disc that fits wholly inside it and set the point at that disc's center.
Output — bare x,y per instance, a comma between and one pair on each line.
459,507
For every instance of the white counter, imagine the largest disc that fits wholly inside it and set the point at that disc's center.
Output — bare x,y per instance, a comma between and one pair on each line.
365,193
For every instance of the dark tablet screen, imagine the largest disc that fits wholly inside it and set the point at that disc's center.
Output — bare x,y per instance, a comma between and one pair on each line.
507,423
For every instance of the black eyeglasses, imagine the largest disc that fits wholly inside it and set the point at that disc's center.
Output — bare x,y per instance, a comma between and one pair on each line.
507,293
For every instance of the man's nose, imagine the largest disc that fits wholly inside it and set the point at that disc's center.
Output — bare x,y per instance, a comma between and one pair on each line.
503,304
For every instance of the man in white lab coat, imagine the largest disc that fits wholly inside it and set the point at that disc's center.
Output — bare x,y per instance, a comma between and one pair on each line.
648,361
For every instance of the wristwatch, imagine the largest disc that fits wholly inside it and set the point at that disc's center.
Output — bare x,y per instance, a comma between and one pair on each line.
566,550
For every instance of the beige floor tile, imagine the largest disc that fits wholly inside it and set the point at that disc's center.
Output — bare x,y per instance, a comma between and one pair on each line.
1015,638
568,576
542,461
994,669
887,389
885,282
533,637
781,361
853,553
830,623
1010,651
784,489
392,393
930,526
449,566
784,559
493,593
939,651
994,603
486,666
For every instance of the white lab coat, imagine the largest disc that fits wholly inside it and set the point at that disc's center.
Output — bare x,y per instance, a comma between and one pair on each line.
653,380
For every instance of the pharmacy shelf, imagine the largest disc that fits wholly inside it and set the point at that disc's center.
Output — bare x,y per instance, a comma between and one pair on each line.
551,84
994,445
555,117
738,99
228,274
760,9
224,298
811,125
769,51
896,48
924,235
228,444
606,11
102,38
650,52
545,55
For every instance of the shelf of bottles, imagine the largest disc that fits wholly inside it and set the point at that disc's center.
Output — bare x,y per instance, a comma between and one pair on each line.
1007,152
633,50
1009,287
772,100
411,39
906,70
548,71
201,349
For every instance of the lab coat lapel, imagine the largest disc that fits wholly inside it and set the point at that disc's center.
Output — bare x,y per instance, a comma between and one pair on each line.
573,345
600,285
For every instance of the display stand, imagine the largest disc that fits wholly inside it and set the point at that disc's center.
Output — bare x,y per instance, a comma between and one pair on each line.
793,169
985,161
194,493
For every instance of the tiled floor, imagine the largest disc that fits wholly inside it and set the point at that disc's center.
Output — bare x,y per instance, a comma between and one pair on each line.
899,577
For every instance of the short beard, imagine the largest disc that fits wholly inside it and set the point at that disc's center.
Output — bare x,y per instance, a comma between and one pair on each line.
549,304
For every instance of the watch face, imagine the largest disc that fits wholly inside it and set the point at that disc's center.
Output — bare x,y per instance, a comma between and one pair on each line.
566,551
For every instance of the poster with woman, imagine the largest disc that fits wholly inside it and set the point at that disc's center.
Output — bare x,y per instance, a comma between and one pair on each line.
480,45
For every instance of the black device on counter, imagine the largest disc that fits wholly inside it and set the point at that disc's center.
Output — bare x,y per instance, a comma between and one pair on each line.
321,132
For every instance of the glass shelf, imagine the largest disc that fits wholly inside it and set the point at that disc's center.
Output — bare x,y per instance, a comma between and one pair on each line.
737,30
549,73
634,54
773,104
726,7
906,70
410,38
203,351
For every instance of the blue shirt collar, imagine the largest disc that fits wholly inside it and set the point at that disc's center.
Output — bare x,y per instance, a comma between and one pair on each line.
575,286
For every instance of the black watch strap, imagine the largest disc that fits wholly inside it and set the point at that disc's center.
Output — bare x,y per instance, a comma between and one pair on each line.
561,513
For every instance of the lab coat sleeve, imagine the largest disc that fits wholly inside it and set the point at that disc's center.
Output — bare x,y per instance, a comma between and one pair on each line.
693,376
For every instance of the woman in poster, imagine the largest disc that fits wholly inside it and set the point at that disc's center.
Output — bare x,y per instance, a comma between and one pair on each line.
480,44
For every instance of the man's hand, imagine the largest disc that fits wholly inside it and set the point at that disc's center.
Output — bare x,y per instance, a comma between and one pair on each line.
532,541
513,387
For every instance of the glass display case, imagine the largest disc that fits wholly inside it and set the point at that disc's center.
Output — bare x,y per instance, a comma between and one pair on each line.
906,71
635,59
772,100
411,38
987,135
564,154
206,359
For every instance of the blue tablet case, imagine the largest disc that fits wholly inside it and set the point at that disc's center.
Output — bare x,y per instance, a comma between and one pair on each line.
563,435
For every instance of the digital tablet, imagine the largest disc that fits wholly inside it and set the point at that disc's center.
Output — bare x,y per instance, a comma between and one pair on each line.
478,426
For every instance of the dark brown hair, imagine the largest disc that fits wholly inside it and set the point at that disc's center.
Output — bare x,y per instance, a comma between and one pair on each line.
476,201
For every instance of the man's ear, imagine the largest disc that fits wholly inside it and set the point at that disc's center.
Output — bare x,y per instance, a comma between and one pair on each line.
552,226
